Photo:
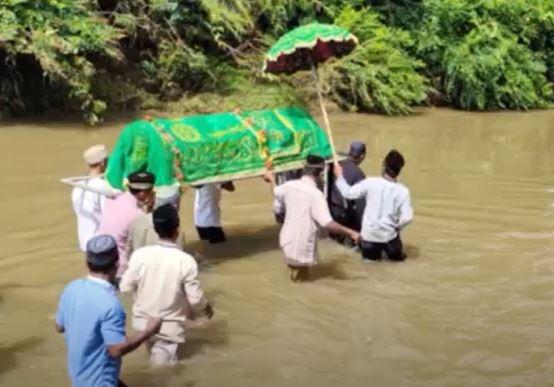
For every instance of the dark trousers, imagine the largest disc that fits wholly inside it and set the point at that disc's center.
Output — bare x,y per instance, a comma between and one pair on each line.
211,234
347,218
393,250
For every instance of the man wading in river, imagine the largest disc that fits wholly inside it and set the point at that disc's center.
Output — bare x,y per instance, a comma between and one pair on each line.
88,205
120,212
164,279
92,320
349,213
305,209
388,208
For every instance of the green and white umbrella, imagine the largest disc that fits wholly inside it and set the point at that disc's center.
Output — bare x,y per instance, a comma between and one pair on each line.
304,48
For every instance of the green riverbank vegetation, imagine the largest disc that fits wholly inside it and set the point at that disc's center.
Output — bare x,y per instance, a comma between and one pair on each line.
183,56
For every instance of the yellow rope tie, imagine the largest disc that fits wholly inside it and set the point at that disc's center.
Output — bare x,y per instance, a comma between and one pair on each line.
261,137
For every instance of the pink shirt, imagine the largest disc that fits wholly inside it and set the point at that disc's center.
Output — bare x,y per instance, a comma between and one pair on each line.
116,219
306,208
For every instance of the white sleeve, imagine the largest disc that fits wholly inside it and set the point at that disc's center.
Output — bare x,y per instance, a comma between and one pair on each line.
406,213
351,192
191,284
278,205
279,192
131,277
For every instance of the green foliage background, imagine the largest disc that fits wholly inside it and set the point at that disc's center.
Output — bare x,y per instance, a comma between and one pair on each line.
205,55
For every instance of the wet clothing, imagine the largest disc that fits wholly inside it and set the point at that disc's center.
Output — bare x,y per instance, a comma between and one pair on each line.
93,319
88,208
116,221
393,250
163,352
211,234
207,212
306,209
165,282
388,207
349,213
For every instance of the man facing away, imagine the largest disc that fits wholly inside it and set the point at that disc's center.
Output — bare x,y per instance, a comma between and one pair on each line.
388,208
207,213
88,205
141,231
349,213
305,209
165,281
120,212
92,320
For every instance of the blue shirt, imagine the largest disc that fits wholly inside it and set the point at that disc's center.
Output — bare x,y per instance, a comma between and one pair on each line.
93,318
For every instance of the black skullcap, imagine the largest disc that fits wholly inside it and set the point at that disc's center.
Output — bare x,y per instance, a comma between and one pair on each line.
165,218
141,180
357,149
315,161
102,250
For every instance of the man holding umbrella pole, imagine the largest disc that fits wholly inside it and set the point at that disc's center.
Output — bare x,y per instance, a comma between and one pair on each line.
388,208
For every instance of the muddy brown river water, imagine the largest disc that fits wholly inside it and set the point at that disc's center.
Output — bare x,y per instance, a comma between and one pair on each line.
472,306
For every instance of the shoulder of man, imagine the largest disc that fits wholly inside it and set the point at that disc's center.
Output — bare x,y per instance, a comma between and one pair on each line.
403,189
71,287
145,251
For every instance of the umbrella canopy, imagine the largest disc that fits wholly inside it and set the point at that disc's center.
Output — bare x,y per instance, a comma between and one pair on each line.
308,45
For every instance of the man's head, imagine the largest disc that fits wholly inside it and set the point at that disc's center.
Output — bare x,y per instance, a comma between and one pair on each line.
166,222
141,185
393,163
357,152
96,157
102,256
314,166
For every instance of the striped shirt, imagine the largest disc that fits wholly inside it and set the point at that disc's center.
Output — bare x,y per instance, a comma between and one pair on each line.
306,208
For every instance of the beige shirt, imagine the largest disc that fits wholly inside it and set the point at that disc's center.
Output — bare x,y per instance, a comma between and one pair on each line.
165,282
306,208
142,233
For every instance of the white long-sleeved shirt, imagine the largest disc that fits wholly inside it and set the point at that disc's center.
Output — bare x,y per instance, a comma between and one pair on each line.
88,207
388,207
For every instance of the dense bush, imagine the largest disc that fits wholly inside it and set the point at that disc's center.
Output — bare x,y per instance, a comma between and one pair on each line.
490,70
379,76
82,55
52,43
488,54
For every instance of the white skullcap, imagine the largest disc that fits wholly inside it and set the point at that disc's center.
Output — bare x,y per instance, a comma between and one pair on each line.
95,154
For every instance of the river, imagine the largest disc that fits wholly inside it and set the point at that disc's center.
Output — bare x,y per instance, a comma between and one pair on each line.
472,306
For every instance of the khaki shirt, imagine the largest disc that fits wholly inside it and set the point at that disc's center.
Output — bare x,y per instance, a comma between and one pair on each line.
306,208
142,233
165,282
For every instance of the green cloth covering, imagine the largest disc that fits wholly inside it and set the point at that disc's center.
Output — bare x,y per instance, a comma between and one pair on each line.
193,148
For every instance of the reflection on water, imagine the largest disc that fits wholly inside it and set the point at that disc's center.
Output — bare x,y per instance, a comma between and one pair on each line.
473,306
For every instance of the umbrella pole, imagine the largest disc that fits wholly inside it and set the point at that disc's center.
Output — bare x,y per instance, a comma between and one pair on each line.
324,111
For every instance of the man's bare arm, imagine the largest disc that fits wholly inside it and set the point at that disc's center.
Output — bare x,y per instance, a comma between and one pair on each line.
340,229
131,343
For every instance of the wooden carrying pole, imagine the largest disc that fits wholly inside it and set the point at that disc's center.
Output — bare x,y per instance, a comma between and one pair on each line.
324,111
